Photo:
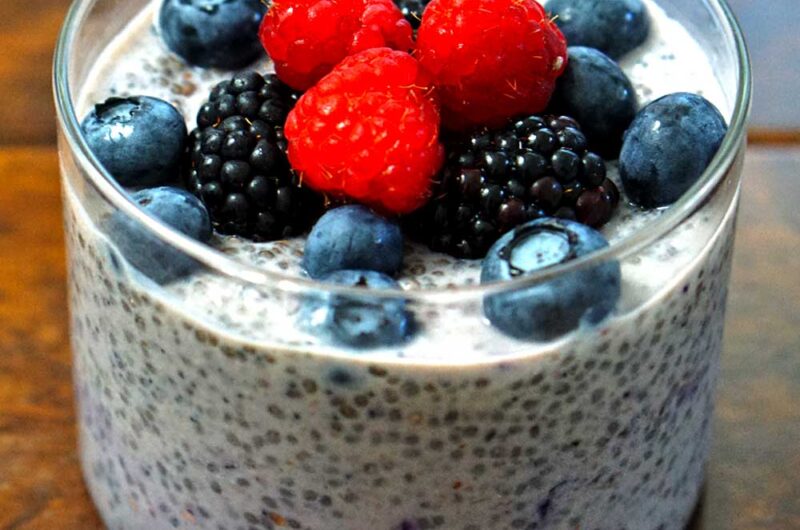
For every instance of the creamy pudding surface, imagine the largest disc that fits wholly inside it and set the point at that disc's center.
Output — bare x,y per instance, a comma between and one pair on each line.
204,405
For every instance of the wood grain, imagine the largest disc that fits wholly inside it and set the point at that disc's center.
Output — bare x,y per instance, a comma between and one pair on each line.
40,483
754,476
28,32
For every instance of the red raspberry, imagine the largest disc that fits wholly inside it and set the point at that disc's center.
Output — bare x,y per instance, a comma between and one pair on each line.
491,59
307,38
369,131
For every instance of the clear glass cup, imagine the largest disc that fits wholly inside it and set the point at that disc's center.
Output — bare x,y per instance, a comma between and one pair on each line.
187,418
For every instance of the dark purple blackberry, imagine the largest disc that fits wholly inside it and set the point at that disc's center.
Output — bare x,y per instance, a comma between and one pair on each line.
412,10
494,181
237,161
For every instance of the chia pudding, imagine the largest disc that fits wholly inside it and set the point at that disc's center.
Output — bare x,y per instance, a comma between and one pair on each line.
202,403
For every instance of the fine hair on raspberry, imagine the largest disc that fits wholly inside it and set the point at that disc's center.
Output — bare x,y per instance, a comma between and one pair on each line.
491,60
368,132
306,38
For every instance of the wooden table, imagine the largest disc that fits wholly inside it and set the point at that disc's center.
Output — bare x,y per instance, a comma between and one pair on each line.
754,474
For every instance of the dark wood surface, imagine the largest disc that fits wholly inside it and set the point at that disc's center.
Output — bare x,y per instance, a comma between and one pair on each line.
40,483
28,30
754,473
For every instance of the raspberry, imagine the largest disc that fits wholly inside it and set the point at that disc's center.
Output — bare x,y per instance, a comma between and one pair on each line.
307,38
492,60
369,131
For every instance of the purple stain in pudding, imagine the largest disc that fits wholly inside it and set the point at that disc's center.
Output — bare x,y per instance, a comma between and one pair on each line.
687,391
409,524
544,508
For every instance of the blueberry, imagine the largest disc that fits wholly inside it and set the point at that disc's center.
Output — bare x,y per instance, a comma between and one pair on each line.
356,321
151,256
597,93
614,27
353,237
668,146
550,309
213,33
139,140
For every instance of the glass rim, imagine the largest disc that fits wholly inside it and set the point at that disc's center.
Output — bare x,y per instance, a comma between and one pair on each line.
217,261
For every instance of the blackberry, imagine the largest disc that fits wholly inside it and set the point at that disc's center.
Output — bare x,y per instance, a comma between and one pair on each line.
494,181
412,10
237,161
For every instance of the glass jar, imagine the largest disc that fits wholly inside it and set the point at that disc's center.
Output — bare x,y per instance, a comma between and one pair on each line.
201,405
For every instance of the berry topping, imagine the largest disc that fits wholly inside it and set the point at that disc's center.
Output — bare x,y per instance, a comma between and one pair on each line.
412,10
356,321
139,140
614,27
238,163
369,131
494,181
151,256
668,146
213,33
548,310
596,91
307,38
353,237
491,60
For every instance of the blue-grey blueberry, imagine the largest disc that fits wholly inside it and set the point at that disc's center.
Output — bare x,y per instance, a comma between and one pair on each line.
613,26
213,33
353,237
668,146
139,140
357,321
153,257
595,91
548,310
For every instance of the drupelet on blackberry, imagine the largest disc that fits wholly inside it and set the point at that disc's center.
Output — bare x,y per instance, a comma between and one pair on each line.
494,181
237,161
412,10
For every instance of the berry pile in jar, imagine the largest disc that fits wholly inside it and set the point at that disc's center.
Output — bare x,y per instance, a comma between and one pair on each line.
480,128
